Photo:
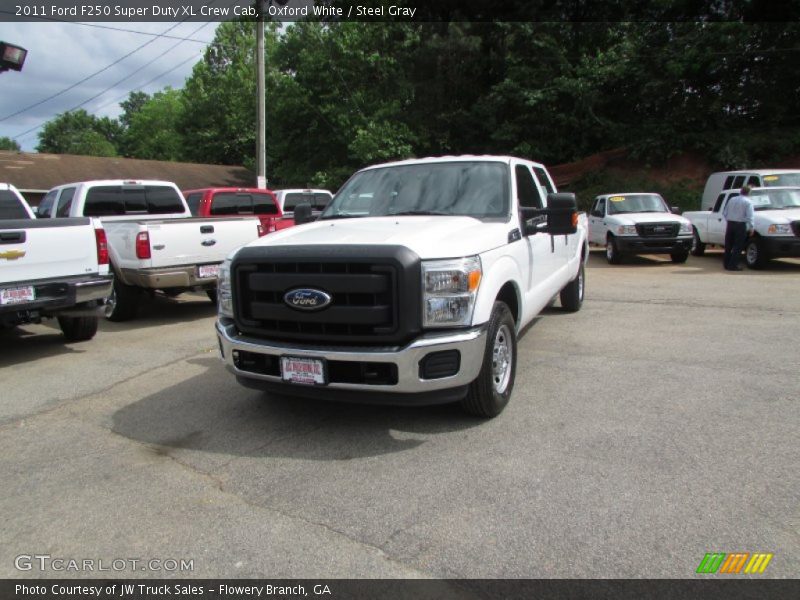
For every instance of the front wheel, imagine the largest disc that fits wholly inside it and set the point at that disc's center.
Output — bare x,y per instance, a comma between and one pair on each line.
489,393
123,303
572,294
754,254
612,252
212,295
679,256
78,329
698,247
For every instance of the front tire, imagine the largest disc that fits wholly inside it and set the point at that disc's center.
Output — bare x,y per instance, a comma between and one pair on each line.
679,256
572,294
488,395
212,295
698,247
612,252
754,254
78,329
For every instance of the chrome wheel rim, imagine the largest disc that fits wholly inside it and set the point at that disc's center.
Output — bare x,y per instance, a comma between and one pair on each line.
609,250
502,359
580,283
111,303
752,254
694,242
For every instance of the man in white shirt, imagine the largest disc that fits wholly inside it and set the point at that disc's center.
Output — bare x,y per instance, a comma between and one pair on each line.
738,213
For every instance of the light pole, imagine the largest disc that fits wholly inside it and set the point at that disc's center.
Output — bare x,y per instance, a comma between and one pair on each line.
261,134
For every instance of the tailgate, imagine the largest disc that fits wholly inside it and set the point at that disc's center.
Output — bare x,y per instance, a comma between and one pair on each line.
33,249
199,241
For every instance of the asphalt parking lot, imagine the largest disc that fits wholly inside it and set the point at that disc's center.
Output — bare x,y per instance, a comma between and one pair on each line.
657,424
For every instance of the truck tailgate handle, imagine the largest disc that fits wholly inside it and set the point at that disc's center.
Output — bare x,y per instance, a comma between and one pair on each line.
12,237
206,229
208,242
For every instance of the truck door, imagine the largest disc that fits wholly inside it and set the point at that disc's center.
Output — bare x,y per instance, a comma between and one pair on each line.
541,256
597,226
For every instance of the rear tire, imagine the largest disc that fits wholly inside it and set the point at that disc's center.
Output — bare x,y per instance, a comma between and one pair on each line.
698,247
488,395
679,256
212,295
123,303
572,294
78,329
612,252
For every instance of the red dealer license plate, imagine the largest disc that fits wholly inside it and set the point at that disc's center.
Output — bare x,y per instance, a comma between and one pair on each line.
310,371
207,271
17,295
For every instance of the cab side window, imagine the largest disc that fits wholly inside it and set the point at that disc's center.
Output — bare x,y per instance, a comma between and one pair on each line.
754,181
599,208
527,190
46,205
718,203
65,202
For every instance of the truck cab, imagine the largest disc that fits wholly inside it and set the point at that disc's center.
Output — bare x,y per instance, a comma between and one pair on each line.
229,202
638,223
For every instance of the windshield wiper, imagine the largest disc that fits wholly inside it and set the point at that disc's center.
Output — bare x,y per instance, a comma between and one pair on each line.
341,216
420,212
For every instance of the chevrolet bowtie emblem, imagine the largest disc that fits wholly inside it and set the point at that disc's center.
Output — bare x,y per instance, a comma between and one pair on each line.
12,254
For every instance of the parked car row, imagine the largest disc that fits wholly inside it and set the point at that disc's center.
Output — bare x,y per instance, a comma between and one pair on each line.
92,248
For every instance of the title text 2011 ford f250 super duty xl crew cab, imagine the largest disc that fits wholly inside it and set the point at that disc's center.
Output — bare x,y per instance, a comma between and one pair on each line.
50,269
154,243
411,288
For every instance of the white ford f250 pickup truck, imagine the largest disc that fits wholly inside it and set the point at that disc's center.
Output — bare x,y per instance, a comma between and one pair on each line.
638,224
51,269
777,225
411,288
154,242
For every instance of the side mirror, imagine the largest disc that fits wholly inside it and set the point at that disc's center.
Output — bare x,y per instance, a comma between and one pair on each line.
559,218
302,213
675,210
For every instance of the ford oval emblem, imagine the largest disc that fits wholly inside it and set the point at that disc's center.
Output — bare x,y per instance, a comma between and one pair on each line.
307,299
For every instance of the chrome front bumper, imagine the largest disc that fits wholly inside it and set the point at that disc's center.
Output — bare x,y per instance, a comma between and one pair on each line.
470,344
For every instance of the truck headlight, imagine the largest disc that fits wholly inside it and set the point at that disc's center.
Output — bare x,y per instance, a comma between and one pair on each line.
449,289
780,229
224,295
686,229
626,230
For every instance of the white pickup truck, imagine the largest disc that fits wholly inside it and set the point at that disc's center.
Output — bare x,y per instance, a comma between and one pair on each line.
411,288
638,223
777,225
154,242
51,269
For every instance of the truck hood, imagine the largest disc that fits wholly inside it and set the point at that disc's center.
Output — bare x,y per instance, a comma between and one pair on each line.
634,218
770,217
428,236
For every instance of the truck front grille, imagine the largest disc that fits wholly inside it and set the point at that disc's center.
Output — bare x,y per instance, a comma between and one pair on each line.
367,296
657,229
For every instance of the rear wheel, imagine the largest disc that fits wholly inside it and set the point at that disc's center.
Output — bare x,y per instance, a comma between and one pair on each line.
489,393
123,303
572,294
78,329
698,247
212,295
612,252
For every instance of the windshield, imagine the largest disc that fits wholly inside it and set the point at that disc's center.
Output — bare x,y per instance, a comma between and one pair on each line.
474,189
775,199
781,179
11,207
637,203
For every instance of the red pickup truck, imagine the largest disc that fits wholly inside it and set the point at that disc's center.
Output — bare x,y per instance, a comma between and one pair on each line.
224,202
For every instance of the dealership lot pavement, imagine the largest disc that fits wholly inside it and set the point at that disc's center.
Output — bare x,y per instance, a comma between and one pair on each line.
657,424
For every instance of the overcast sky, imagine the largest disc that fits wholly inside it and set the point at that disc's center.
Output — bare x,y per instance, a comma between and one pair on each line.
61,54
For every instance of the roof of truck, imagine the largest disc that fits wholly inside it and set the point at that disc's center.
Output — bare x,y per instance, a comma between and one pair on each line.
450,158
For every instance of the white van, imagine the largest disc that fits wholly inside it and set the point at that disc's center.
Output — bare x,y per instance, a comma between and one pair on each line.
734,180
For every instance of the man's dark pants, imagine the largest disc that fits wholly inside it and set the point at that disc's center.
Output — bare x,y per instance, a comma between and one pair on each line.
735,239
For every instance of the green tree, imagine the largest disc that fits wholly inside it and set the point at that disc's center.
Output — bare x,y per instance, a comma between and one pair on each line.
78,132
153,128
7,143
